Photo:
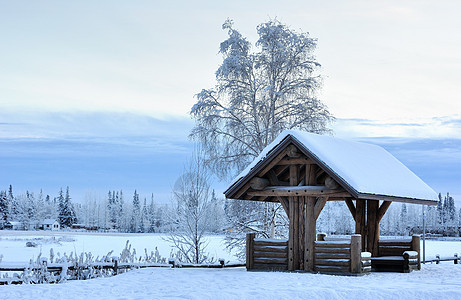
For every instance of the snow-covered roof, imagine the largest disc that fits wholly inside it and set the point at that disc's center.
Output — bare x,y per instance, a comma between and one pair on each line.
14,223
49,221
363,168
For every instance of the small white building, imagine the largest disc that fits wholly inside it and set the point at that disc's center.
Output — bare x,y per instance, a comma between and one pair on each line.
14,225
50,224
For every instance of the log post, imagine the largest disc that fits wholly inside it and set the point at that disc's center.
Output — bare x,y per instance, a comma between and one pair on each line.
293,240
360,221
310,234
310,222
250,251
372,227
356,253
321,236
291,236
415,246
301,232
116,266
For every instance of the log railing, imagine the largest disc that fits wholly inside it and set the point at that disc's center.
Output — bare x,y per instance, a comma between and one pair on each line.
341,256
401,255
266,254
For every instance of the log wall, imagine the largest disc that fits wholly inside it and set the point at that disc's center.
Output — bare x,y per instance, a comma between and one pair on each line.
266,254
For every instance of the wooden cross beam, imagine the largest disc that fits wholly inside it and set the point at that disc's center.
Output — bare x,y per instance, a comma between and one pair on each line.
312,191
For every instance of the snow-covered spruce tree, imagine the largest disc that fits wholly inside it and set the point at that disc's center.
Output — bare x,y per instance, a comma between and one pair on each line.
3,209
12,204
66,210
258,94
135,216
191,196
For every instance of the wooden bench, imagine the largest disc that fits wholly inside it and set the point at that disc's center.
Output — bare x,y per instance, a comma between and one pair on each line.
397,255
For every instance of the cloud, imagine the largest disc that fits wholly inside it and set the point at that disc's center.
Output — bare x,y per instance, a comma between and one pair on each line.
436,127
96,128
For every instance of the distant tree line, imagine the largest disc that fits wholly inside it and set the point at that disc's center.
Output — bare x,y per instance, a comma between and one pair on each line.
212,214
31,209
110,213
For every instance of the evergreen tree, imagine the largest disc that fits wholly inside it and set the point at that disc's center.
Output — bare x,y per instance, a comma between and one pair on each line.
121,218
66,212
152,215
403,219
449,209
144,226
40,208
440,212
3,209
134,222
13,204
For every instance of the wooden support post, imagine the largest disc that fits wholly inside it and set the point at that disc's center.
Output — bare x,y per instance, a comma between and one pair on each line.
116,266
293,241
360,222
310,222
310,234
415,246
356,253
250,251
372,227
291,236
301,232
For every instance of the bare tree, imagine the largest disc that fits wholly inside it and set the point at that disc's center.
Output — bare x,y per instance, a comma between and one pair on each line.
192,200
258,95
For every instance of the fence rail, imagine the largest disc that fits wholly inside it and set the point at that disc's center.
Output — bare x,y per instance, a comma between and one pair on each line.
455,258
115,266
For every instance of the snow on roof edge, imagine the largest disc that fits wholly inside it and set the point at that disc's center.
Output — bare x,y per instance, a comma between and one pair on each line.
420,190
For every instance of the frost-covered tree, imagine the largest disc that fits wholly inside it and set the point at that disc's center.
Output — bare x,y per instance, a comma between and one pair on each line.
135,216
258,94
66,211
191,197
449,209
12,203
121,216
216,214
3,209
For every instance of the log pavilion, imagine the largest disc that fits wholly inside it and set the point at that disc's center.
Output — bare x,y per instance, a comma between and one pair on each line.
302,171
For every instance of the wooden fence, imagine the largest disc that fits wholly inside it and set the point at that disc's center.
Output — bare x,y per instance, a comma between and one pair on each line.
113,266
398,255
266,254
342,256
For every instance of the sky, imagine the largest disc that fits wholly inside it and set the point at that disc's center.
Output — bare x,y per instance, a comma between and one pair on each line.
95,95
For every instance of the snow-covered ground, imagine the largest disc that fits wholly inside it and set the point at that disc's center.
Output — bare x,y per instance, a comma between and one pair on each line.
440,281
13,244
432,282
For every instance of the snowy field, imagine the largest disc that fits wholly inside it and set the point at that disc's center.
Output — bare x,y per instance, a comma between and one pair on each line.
13,244
432,282
441,281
